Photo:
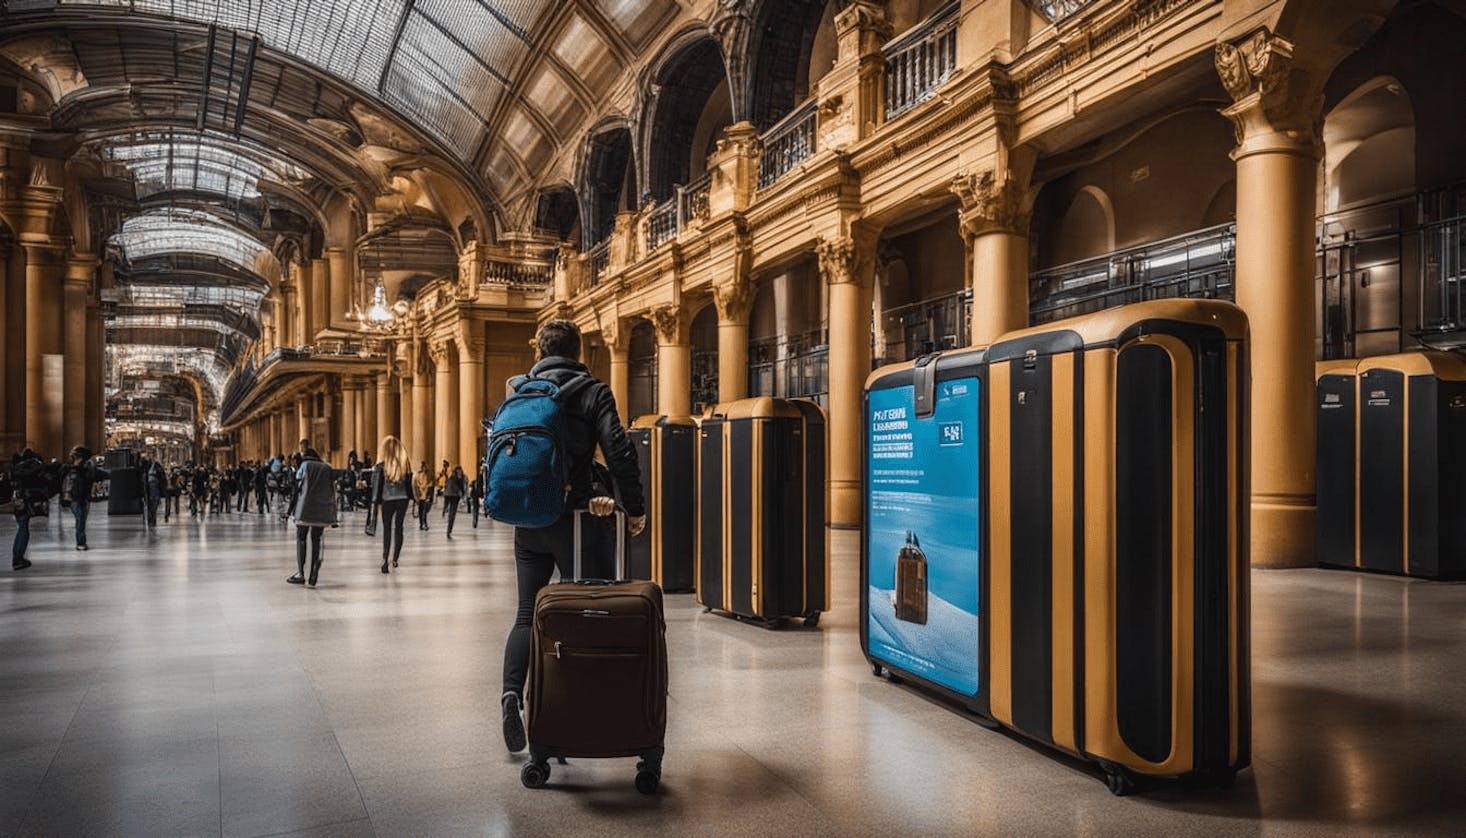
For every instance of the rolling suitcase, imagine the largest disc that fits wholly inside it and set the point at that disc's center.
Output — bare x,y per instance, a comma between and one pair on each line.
760,532
663,553
1117,571
598,672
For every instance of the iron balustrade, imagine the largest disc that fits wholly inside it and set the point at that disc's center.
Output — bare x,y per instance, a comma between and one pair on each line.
598,263
518,274
1200,264
924,327
694,199
661,224
787,144
1056,10
793,366
921,61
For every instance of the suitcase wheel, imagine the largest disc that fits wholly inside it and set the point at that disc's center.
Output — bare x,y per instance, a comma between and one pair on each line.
1118,779
647,779
534,775
877,670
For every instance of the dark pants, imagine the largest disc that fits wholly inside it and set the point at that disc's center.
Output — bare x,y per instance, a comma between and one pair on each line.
150,504
537,554
452,506
79,512
315,534
394,512
477,504
423,506
22,538
243,501
261,507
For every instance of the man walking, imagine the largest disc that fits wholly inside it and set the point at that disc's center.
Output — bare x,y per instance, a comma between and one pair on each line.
592,421
76,489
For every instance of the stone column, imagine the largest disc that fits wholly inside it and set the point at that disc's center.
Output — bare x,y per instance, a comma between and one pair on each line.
79,276
302,428
1277,162
96,396
342,282
6,443
43,305
423,445
320,274
471,347
386,410
618,345
733,300
445,386
347,421
674,361
12,344
994,227
847,266
285,328
366,412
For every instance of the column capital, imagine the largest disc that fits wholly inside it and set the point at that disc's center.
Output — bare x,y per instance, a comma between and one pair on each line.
864,17
668,321
614,335
81,271
990,203
438,349
733,299
471,341
847,259
1273,109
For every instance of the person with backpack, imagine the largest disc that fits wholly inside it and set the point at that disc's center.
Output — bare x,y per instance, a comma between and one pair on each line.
453,491
422,492
315,509
539,472
31,499
391,491
76,489
155,484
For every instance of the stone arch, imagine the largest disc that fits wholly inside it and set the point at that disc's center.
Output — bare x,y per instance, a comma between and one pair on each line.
689,103
780,41
557,210
609,182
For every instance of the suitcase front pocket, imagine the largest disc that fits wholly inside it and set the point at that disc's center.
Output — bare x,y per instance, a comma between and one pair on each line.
598,698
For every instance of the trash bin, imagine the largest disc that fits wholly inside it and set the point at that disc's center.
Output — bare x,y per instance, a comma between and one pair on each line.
760,536
663,552
125,492
1335,437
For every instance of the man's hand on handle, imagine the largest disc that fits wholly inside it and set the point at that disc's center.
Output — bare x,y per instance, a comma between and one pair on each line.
603,505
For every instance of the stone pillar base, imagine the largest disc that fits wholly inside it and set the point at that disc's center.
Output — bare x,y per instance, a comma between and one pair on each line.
1283,532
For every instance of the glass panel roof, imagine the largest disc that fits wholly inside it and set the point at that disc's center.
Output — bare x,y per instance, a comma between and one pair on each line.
162,162
190,231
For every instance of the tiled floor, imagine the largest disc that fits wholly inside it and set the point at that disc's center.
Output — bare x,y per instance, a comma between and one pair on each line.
173,684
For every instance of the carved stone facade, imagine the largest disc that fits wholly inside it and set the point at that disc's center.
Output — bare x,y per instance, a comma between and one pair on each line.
990,204
1268,104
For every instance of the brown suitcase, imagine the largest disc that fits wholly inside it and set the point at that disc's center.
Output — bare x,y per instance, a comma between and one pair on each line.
598,673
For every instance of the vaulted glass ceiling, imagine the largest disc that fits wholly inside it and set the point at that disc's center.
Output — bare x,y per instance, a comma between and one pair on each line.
162,161
175,230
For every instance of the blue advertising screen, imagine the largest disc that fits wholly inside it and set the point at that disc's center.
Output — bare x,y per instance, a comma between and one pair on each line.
922,526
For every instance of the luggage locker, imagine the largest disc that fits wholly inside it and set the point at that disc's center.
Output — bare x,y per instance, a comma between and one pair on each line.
1411,465
764,520
663,553
1336,445
1117,583
921,553
598,672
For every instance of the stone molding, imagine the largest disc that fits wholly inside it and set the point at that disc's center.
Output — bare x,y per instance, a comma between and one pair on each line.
990,204
1271,110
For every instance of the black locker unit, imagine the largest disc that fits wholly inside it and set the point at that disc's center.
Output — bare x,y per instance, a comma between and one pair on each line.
761,510
1411,468
125,492
663,553
1336,435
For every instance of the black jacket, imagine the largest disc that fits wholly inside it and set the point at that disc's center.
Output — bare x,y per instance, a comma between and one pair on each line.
594,421
87,474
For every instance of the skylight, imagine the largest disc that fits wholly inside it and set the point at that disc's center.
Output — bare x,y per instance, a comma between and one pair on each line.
187,231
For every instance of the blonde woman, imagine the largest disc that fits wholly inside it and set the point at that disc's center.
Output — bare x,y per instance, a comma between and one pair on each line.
391,491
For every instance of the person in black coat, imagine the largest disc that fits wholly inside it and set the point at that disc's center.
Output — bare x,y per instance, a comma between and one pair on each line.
76,488
32,499
315,509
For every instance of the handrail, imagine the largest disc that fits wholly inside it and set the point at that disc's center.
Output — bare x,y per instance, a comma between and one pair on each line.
518,274
921,61
661,224
598,262
788,143
695,199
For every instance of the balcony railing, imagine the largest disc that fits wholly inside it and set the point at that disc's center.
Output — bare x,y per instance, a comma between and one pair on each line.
921,61
925,327
598,263
1197,264
795,366
518,274
786,145
695,199
661,225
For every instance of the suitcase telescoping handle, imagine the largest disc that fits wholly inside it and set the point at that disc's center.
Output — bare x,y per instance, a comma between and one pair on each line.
620,516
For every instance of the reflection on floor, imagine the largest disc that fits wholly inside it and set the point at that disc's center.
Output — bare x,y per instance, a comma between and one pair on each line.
173,684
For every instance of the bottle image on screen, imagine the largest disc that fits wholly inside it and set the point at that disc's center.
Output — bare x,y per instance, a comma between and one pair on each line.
911,582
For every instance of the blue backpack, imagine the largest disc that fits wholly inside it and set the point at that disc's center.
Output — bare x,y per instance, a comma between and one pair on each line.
527,467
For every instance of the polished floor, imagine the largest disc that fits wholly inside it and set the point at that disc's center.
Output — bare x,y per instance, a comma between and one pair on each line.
171,683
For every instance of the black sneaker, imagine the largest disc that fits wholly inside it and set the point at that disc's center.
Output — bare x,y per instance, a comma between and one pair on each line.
22,564
513,723
297,579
